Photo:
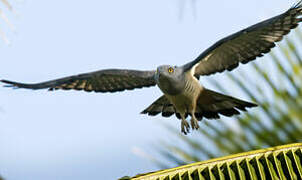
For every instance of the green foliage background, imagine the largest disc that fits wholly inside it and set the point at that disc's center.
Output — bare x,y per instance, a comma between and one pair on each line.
277,120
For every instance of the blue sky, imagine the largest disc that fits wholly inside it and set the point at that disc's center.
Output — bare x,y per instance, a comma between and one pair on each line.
77,135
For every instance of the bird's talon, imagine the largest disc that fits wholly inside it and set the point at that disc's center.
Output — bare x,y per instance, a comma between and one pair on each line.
185,127
183,130
194,124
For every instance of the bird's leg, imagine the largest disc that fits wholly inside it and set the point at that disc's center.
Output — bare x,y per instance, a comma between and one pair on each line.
194,121
185,127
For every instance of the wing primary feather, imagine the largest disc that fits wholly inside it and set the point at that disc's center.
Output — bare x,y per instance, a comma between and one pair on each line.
109,80
246,45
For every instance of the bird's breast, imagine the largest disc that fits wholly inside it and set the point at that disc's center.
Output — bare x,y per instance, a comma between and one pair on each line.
185,100
169,86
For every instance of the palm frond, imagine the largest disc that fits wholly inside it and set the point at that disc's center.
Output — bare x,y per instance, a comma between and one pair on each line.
282,162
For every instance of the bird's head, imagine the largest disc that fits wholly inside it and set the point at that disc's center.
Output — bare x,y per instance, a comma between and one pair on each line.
170,79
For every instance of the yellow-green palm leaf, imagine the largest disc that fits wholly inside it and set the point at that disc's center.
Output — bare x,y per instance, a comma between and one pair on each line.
281,162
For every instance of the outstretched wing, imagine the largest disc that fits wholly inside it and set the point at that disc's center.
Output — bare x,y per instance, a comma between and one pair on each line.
109,80
246,45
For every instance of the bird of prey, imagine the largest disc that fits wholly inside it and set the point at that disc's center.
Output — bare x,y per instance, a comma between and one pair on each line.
183,94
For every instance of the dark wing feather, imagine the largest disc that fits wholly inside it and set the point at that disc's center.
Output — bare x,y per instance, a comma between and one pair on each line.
164,106
246,45
211,104
161,105
109,80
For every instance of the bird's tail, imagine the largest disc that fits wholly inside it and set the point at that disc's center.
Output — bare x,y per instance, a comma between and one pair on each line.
211,104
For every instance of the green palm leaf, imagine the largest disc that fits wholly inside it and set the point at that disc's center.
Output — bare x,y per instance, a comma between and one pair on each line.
282,162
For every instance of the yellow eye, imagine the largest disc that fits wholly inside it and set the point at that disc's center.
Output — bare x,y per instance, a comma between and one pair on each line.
170,70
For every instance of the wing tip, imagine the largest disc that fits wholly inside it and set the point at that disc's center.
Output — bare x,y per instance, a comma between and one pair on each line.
9,84
297,5
6,81
144,112
16,85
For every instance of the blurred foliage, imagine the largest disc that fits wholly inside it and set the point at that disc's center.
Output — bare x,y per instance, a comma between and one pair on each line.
5,4
278,119
192,9
282,162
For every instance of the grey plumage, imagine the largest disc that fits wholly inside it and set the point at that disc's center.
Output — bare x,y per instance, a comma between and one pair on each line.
183,94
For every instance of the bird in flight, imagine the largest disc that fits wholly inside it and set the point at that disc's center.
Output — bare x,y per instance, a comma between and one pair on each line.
183,94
